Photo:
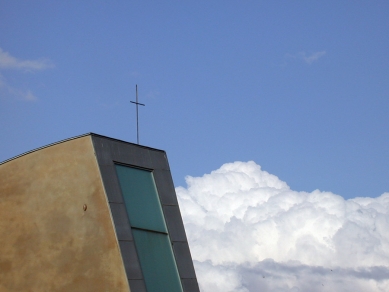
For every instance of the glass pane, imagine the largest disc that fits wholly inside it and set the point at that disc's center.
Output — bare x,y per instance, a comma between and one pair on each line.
157,261
141,198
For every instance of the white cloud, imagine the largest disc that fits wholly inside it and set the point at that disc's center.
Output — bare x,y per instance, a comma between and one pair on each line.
26,95
7,90
248,231
9,62
309,59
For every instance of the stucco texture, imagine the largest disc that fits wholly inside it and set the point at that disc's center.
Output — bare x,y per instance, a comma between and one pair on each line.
47,241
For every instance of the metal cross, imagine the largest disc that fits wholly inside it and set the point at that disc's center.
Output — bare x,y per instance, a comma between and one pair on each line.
137,103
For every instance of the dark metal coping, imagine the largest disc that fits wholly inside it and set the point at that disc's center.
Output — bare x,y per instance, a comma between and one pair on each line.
76,137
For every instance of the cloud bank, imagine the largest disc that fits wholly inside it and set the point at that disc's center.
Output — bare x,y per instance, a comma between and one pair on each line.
248,231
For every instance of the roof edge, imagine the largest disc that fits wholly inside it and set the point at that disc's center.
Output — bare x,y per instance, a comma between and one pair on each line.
73,138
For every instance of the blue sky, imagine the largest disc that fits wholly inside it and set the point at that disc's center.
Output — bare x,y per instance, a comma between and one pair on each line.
301,88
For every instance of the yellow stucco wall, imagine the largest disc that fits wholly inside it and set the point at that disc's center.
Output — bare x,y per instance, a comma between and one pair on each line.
47,241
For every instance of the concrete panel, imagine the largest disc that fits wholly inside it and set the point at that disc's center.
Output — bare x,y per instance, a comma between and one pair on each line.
131,261
120,218
103,150
184,260
159,160
108,150
164,182
111,183
56,232
138,285
190,285
131,154
174,223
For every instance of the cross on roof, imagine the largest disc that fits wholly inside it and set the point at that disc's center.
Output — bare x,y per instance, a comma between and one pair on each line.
137,119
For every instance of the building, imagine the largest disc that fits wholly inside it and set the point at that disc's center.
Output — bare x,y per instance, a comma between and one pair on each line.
92,213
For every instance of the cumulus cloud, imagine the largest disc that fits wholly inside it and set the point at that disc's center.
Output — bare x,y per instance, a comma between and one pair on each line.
248,231
9,62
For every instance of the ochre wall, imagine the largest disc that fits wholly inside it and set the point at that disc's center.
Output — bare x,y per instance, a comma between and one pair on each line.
47,241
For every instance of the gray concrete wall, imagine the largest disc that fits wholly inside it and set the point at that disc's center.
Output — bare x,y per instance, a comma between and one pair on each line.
110,151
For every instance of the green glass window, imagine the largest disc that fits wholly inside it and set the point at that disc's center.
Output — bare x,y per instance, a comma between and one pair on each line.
141,198
157,261
149,229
